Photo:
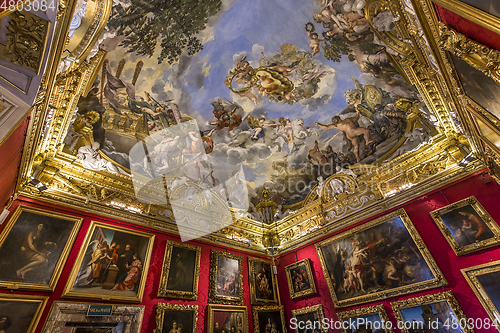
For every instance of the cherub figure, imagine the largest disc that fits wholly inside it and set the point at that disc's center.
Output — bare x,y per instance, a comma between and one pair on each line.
314,42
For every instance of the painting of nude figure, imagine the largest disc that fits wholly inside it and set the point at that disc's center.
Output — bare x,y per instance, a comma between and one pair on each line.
467,226
226,278
34,246
269,110
381,258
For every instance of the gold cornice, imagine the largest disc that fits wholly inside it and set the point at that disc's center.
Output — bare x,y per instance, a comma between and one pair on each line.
471,13
372,192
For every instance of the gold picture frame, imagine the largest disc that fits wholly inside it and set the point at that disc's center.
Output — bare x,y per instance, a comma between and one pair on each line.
221,291
262,282
136,270
303,315
446,217
473,275
308,287
237,317
394,225
366,312
268,309
11,310
15,235
162,308
476,15
427,301
165,289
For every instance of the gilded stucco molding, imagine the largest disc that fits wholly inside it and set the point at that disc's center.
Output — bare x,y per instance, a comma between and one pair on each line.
479,56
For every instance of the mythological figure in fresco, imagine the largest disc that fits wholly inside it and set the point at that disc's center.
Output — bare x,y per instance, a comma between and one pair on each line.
224,118
352,130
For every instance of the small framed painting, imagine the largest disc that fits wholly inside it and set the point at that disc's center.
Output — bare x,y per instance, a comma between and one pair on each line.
367,319
309,319
176,318
300,279
261,281
227,319
34,246
112,264
226,278
181,268
20,313
431,313
270,318
467,226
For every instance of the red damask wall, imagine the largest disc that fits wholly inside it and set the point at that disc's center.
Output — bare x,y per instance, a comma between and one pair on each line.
468,28
150,298
418,210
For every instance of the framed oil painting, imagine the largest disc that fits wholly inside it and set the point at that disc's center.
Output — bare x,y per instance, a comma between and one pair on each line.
227,319
300,279
112,264
467,226
19,313
381,258
483,279
181,269
226,278
432,313
261,279
34,246
176,318
269,318
308,319
371,319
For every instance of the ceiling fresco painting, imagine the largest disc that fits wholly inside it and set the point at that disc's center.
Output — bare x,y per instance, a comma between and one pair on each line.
245,100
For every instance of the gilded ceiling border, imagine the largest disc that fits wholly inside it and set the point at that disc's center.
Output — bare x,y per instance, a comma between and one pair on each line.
429,168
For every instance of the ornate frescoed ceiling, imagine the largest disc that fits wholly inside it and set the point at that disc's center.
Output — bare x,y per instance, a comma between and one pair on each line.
262,123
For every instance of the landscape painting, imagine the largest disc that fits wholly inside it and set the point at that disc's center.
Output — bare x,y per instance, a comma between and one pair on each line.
262,95
378,259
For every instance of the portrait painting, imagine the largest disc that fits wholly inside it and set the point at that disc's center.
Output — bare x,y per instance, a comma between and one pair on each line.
227,319
309,319
380,258
176,318
300,279
112,264
261,281
467,226
181,269
34,246
269,318
480,88
19,313
432,313
369,319
226,278
316,95
483,279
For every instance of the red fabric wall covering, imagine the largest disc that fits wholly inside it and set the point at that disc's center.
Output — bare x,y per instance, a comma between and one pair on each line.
418,210
150,298
468,28
10,158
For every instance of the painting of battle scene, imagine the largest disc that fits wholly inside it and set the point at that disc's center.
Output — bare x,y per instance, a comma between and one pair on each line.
267,94
375,260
